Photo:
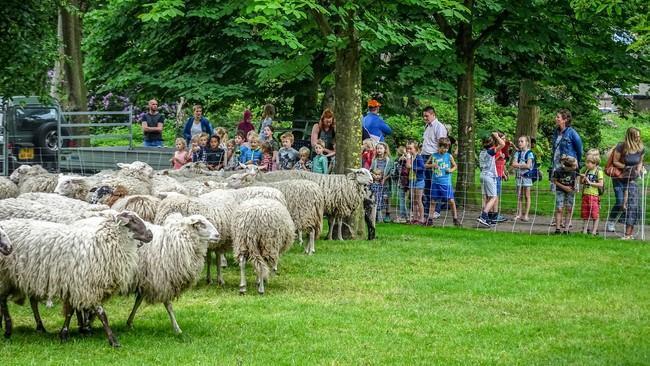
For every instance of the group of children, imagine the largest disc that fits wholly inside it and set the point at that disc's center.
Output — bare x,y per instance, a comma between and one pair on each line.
218,152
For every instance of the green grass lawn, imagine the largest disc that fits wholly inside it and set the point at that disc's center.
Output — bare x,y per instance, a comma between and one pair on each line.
415,296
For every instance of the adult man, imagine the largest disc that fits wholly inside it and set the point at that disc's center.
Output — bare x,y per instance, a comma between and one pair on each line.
433,132
152,126
374,126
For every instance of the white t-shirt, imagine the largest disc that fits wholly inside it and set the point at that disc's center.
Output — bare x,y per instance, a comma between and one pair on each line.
432,133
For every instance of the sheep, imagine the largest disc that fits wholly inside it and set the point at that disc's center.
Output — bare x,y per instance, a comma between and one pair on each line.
305,202
261,230
343,193
82,264
135,177
59,202
164,183
218,212
5,245
34,179
243,194
171,263
143,205
8,189
73,187
28,209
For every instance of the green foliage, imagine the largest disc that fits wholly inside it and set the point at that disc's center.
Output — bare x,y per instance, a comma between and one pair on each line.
29,46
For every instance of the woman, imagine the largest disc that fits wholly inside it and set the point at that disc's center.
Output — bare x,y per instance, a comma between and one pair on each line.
325,130
267,119
245,125
196,125
628,156
566,140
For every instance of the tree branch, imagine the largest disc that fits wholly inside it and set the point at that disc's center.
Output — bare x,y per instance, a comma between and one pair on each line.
498,22
444,26
322,22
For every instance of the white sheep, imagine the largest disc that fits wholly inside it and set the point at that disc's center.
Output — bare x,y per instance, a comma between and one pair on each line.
33,178
27,209
343,193
162,182
8,189
136,177
74,186
172,262
261,230
81,264
59,202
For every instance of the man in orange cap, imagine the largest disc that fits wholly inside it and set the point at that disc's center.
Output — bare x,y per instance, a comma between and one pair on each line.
374,126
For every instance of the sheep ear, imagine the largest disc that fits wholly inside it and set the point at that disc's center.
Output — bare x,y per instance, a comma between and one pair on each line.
122,165
162,195
123,218
93,189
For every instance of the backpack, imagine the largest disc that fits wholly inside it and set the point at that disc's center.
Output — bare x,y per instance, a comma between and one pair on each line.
601,190
403,175
533,173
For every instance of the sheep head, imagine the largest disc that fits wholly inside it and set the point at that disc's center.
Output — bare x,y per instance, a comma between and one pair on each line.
361,175
5,243
19,173
132,221
137,166
203,227
100,192
69,186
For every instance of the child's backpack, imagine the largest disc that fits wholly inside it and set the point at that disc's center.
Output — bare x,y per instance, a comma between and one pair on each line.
601,190
533,173
403,174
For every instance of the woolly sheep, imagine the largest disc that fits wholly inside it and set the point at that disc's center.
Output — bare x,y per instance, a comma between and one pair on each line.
172,262
343,193
8,189
74,187
59,202
243,194
305,202
21,208
82,264
164,183
33,179
218,212
135,177
261,230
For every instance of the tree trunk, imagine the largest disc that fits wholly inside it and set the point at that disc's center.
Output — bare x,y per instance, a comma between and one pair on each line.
57,77
75,87
465,103
528,112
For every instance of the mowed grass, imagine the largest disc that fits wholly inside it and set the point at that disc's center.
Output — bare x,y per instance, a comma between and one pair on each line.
414,296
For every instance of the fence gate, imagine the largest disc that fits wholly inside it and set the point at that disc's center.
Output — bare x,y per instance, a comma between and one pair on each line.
4,156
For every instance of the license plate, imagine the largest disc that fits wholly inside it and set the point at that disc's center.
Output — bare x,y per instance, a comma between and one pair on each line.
26,153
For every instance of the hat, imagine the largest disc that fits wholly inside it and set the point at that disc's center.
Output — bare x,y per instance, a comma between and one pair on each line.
372,103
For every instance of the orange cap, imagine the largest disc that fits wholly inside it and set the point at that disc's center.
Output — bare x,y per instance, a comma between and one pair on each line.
373,103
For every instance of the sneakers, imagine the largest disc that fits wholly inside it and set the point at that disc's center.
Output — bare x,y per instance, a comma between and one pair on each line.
484,222
435,215
611,227
457,223
627,237
500,218
387,219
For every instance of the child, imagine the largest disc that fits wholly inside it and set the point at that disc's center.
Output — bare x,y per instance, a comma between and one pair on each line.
401,183
565,181
223,137
382,162
181,155
232,155
523,162
415,163
267,118
268,137
199,148
252,155
491,145
500,160
367,153
592,180
304,163
266,165
442,164
215,154
287,155
319,163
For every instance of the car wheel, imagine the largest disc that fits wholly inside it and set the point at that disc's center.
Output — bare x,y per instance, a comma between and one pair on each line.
47,138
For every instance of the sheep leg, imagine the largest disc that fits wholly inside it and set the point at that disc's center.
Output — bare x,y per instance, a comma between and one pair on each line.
112,340
83,320
242,274
67,312
220,280
138,302
208,259
172,317
224,261
339,233
330,227
260,284
4,314
300,238
312,239
37,315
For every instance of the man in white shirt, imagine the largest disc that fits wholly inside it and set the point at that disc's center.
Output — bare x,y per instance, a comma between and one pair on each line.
433,132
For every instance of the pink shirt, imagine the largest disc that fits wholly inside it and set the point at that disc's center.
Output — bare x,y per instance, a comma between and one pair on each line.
181,158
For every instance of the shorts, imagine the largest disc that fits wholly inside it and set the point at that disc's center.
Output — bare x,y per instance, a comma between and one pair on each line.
590,207
442,192
564,199
416,184
524,182
489,186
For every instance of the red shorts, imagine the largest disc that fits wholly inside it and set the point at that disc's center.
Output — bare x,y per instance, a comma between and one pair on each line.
590,207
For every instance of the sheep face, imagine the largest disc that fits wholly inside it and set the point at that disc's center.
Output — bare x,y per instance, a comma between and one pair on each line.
5,243
19,172
67,186
132,221
362,176
203,227
100,192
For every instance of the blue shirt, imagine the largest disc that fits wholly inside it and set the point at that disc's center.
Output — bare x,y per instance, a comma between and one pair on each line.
417,169
567,142
441,174
250,155
376,126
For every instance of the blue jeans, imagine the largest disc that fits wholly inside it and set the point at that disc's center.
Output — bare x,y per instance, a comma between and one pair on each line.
619,193
402,203
426,195
157,143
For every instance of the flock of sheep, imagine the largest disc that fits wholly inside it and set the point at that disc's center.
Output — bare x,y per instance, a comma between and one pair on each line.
80,240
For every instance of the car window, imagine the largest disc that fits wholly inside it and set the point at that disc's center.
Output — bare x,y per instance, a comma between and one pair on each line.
30,118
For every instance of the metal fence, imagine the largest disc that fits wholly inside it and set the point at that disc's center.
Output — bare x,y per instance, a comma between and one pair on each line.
4,155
